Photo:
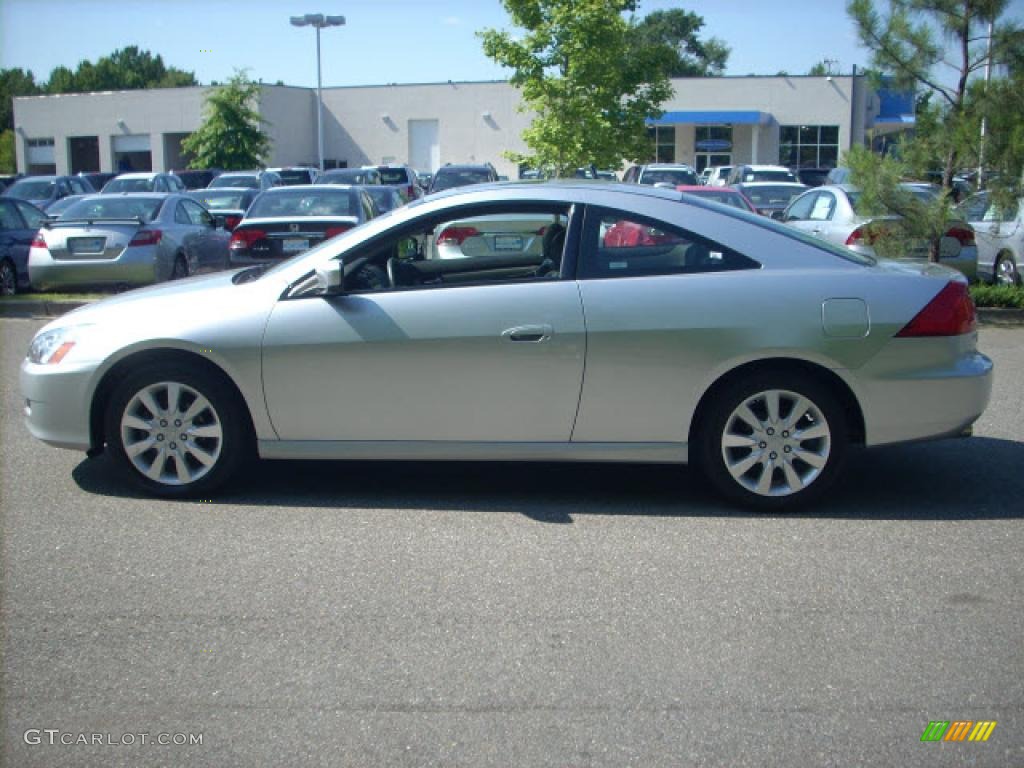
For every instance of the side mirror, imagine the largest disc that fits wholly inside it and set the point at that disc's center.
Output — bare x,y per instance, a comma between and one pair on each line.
330,278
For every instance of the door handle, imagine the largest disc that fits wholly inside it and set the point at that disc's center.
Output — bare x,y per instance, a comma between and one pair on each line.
530,333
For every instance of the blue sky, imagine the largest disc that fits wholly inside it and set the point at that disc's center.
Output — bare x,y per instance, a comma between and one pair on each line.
384,41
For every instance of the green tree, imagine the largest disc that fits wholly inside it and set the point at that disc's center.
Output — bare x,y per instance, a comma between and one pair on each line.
14,82
8,161
591,89
123,70
818,70
231,136
679,30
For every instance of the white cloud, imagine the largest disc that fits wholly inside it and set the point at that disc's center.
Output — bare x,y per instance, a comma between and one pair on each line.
451,21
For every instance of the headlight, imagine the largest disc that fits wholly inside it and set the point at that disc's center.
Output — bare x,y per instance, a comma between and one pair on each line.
51,347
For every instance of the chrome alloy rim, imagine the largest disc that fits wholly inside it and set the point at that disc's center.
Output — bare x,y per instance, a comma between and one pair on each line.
1007,272
776,443
171,433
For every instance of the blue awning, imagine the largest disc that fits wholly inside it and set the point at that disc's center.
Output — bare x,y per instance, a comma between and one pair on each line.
736,117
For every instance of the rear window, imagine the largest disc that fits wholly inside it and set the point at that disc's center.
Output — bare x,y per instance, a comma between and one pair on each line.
353,176
294,176
768,176
300,203
729,198
448,179
246,182
383,197
780,196
393,176
129,185
31,190
114,208
221,201
669,176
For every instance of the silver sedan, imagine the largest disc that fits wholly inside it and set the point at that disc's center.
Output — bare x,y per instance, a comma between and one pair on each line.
719,337
126,239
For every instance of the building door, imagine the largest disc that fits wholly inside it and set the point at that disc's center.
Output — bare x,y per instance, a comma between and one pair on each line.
712,145
424,147
84,153
132,153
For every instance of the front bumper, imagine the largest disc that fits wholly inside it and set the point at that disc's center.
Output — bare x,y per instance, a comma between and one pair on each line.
57,401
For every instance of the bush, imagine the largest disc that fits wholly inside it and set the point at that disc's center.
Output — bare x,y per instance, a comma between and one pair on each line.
998,296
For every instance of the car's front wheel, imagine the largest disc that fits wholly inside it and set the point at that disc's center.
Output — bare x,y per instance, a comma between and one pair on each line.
177,430
1006,271
8,279
774,440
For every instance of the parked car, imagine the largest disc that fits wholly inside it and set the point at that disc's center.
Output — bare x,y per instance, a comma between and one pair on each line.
999,233
537,236
769,197
43,191
462,175
126,240
19,222
811,177
724,195
227,204
143,182
385,197
97,179
283,222
401,176
742,174
838,176
348,176
423,179
830,212
295,175
672,174
610,354
197,179
718,175
260,180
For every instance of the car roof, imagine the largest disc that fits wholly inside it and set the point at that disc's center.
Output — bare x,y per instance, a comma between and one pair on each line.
138,175
754,167
302,188
759,184
668,166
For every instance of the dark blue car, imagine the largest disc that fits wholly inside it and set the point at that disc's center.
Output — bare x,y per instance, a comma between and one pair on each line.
19,222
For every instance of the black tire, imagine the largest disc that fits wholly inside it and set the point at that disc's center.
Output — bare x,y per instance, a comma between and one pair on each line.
8,279
231,449
712,452
1005,272
180,268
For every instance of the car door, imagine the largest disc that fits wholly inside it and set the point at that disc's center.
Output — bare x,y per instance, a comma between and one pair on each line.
492,355
19,222
211,243
997,231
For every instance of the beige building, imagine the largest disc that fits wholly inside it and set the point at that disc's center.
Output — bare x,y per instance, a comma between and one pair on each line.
723,120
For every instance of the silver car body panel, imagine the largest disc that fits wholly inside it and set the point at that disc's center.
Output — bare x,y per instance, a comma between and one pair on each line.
997,236
616,370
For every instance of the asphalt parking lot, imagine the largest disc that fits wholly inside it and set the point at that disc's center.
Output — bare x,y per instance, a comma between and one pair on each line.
506,615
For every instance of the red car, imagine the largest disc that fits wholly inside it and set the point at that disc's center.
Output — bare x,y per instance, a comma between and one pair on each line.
629,234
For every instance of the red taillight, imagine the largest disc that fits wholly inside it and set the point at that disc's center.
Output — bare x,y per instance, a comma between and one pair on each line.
230,222
965,235
541,231
411,191
861,236
147,237
456,235
332,231
245,238
39,241
950,313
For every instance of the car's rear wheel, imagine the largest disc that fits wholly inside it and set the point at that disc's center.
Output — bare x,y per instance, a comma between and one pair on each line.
1006,271
177,430
774,440
180,268
8,279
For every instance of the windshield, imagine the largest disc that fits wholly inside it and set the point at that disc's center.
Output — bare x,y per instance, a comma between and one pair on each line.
673,177
129,185
772,196
294,176
323,202
220,201
449,179
144,208
31,190
224,180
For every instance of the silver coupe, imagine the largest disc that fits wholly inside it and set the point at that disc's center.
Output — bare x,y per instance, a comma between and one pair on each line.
719,337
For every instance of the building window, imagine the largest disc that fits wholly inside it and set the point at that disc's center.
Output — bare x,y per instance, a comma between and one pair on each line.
809,146
664,139
712,145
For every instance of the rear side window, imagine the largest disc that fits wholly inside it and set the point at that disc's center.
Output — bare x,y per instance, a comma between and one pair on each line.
393,176
620,244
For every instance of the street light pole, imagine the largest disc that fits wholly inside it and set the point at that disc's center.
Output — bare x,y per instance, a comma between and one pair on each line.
318,21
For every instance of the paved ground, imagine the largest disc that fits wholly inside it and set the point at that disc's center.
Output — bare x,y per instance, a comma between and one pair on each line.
419,615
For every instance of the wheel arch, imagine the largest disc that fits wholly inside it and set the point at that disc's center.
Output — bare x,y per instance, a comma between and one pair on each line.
132,362
784,366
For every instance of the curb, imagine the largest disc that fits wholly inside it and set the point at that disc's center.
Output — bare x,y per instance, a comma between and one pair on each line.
29,308
1000,316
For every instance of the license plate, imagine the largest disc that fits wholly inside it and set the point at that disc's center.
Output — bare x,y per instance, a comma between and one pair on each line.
86,244
508,243
294,245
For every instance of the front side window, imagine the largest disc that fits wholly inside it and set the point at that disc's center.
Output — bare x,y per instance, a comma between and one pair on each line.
619,244
503,244
800,209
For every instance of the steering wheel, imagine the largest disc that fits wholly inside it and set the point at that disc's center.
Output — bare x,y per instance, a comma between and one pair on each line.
391,271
